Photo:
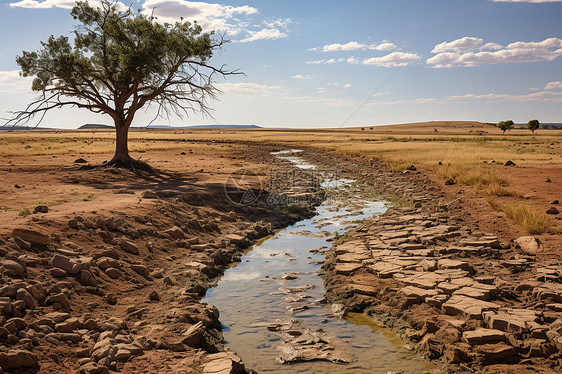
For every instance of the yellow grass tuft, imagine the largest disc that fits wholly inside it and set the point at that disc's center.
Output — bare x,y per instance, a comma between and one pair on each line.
531,220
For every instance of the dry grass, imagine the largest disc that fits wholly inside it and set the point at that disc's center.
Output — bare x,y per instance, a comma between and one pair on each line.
530,219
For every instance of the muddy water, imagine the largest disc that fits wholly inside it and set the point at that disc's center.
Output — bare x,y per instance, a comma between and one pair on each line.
250,296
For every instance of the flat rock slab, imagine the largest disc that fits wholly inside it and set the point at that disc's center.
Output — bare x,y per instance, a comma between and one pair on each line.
32,236
347,268
314,346
483,336
444,264
419,293
467,306
421,279
363,289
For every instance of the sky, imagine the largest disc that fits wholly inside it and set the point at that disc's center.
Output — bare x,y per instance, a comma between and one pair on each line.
333,63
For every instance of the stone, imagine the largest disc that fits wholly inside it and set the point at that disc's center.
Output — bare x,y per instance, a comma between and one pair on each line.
509,163
80,161
41,209
141,270
153,296
107,262
467,306
175,233
111,298
129,246
347,268
445,264
113,273
482,336
419,293
495,353
17,359
192,337
32,236
552,210
149,195
93,368
59,298
24,295
528,244
57,273
65,263
13,268
363,289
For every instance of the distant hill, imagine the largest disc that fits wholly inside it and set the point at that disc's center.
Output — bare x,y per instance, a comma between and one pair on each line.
22,128
95,126
206,127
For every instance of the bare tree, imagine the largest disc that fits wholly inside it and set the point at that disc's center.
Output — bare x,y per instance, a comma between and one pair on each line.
122,61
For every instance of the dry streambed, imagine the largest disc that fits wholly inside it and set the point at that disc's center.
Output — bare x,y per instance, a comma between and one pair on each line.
457,293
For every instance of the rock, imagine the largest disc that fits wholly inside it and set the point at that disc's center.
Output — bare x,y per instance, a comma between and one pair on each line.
13,268
194,334
93,368
528,244
29,301
153,296
224,363
57,273
455,264
32,236
113,273
347,268
419,293
107,262
80,161
175,233
450,182
87,278
149,195
65,263
552,210
90,324
495,353
509,163
129,246
411,168
482,336
467,306
363,289
17,359
554,202
141,269
111,298
59,298
41,209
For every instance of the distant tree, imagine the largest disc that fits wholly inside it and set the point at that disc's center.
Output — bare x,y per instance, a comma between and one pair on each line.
122,61
505,125
533,125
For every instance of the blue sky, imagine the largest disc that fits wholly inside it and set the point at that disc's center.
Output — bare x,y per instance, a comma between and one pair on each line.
313,63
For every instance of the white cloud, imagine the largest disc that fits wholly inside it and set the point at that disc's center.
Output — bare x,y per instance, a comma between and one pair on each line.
553,85
46,4
354,46
347,85
547,96
11,81
466,43
392,59
263,35
233,20
248,88
303,76
216,17
468,51
385,47
330,61
526,1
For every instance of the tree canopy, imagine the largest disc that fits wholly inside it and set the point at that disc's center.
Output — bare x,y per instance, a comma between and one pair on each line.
119,62
505,125
533,125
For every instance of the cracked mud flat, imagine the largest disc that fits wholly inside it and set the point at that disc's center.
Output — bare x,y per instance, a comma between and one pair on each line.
273,309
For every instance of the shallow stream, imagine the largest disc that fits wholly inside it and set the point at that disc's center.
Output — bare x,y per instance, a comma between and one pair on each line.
251,295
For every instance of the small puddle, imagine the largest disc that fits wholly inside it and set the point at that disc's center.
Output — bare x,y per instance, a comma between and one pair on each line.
251,296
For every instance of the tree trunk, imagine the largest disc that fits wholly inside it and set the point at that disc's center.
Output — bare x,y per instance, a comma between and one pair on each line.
121,157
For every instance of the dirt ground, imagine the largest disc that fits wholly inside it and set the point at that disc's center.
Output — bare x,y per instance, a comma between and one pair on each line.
186,232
